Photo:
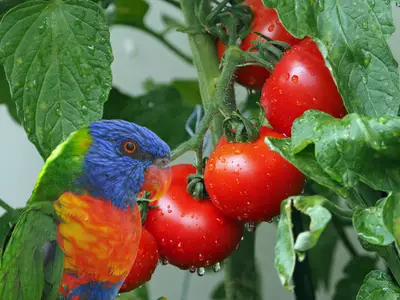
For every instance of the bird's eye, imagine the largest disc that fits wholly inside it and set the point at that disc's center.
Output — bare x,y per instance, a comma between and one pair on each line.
129,147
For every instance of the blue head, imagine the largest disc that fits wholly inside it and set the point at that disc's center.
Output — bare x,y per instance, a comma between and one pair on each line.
120,153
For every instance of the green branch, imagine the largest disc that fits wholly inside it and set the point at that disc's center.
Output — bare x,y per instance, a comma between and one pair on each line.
7,207
173,3
219,103
337,210
169,45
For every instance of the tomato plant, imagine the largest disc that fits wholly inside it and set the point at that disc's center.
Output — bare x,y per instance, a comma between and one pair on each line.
266,22
190,233
327,167
259,178
300,81
144,265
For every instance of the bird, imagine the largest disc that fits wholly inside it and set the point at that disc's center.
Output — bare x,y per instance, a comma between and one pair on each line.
79,232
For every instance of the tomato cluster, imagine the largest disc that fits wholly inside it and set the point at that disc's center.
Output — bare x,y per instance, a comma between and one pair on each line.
246,182
300,81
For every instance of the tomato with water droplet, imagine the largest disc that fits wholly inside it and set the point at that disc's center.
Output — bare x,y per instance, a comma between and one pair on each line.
264,179
144,265
201,235
299,82
265,21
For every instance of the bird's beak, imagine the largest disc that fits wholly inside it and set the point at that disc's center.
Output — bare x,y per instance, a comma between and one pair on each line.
157,179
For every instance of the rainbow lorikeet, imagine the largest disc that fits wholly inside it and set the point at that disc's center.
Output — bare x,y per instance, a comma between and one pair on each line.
78,235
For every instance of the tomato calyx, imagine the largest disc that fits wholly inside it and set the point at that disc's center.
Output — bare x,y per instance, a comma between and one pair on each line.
229,20
239,129
144,204
196,187
265,52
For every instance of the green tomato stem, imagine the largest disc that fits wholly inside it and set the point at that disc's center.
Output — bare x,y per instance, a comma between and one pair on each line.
7,207
391,255
341,212
216,95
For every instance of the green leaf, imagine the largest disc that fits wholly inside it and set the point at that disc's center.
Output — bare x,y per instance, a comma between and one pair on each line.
378,286
353,149
368,223
286,248
242,277
391,215
141,293
161,110
305,161
6,5
57,58
355,271
5,96
353,39
131,12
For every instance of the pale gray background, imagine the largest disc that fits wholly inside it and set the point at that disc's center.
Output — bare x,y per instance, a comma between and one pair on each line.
137,57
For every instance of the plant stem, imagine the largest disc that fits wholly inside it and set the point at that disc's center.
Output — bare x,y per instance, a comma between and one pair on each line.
220,102
345,239
169,45
242,279
346,213
6,207
393,260
302,278
173,3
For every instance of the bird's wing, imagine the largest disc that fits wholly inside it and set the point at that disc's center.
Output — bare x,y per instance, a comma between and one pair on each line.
32,263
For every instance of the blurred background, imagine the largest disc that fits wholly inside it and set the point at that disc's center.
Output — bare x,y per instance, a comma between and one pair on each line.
139,56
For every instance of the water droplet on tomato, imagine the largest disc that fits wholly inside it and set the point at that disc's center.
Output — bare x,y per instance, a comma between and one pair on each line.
220,221
271,27
192,269
165,261
295,78
201,271
287,76
211,167
216,267
182,215
237,181
280,92
250,226
201,257
179,246
169,211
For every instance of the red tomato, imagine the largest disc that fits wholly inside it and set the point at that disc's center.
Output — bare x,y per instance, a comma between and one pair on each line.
248,181
144,265
300,81
190,233
265,21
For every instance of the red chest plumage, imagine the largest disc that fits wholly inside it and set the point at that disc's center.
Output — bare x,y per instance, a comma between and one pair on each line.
99,240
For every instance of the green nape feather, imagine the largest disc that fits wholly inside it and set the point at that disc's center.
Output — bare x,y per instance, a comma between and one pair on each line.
26,270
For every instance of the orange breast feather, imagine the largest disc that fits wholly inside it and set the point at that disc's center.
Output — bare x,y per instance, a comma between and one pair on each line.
100,241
